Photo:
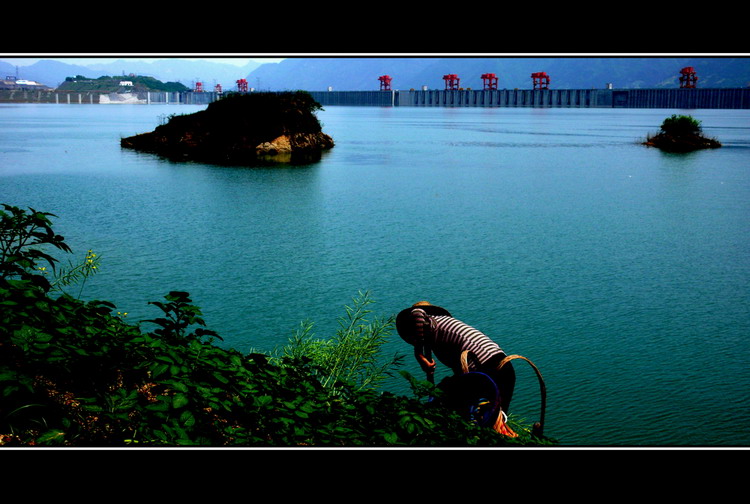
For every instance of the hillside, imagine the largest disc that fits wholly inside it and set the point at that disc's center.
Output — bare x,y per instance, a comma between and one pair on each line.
107,84
54,72
359,74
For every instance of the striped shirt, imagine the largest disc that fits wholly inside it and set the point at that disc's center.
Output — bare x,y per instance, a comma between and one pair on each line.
448,337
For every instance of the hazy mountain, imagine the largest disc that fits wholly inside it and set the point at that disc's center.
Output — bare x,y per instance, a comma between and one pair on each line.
52,72
355,74
48,72
187,72
361,73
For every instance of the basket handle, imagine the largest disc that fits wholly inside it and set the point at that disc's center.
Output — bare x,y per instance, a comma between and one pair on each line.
538,427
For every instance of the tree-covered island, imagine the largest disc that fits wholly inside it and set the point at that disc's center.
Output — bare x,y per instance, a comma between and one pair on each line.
681,133
241,129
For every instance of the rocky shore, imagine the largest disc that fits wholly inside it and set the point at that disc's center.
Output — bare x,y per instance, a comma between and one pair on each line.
684,143
241,129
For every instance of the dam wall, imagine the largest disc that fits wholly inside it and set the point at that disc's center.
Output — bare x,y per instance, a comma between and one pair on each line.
92,97
355,98
693,98
722,98
506,98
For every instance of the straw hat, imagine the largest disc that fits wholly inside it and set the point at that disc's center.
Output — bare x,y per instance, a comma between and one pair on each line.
429,308
404,324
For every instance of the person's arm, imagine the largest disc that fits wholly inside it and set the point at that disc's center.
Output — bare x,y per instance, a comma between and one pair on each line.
422,351
427,364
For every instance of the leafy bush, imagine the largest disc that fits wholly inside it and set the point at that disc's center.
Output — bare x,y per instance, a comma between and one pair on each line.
681,134
681,125
22,238
74,373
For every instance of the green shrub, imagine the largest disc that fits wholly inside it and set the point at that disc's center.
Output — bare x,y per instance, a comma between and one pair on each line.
353,354
681,125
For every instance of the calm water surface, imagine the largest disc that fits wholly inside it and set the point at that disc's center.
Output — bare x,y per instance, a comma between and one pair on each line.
621,271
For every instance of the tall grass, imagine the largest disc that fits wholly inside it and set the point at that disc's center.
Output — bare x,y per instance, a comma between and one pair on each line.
354,354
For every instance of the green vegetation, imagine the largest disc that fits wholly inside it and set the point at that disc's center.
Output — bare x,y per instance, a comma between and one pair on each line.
681,134
75,373
111,84
352,356
681,125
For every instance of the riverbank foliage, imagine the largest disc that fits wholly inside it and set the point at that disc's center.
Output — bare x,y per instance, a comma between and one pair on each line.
76,373
681,134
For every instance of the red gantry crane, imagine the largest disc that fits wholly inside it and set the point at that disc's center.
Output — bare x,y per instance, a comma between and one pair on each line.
385,82
242,86
688,79
451,81
541,80
489,80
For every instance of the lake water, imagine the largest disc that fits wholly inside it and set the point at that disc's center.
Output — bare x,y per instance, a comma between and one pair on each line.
621,271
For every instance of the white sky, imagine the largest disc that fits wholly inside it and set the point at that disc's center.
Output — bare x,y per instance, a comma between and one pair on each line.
23,60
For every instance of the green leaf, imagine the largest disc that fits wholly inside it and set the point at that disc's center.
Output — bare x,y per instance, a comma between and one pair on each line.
177,385
159,369
54,436
158,406
220,377
7,376
179,400
187,418
262,400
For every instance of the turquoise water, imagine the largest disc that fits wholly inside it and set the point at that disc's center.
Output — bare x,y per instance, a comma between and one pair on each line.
621,271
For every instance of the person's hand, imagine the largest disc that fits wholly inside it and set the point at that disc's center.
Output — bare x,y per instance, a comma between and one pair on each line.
427,365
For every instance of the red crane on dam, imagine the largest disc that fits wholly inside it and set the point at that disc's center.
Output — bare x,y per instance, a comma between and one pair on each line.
540,80
451,81
385,82
688,78
489,80
242,86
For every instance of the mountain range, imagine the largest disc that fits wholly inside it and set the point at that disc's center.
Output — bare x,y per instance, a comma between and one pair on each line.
52,72
361,73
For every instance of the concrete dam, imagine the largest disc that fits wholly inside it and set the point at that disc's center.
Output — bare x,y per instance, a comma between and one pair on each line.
684,98
679,98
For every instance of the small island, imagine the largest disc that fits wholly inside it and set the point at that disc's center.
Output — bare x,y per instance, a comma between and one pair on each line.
681,134
241,129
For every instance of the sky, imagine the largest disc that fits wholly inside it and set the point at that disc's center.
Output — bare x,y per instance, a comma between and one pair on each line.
238,61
